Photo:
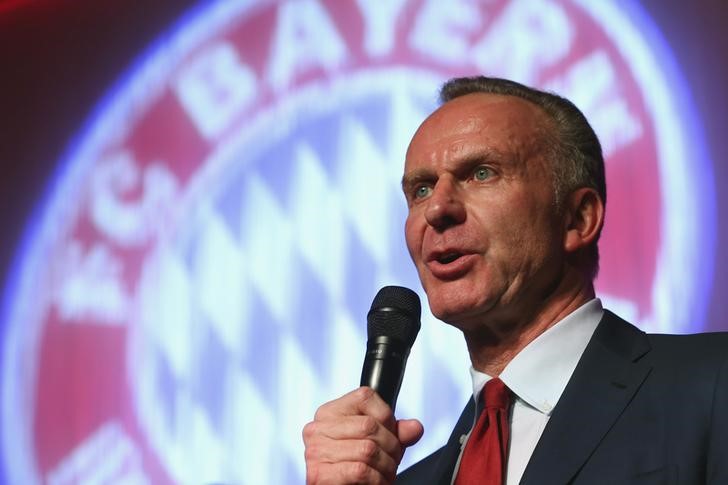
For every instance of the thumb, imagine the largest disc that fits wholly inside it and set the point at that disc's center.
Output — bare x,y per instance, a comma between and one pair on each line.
409,431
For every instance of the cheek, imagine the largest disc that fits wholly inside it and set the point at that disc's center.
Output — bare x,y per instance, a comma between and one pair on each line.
413,237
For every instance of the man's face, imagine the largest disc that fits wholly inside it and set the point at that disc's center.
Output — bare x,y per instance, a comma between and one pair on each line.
482,227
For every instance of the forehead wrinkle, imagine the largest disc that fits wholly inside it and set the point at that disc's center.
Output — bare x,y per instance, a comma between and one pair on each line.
456,166
471,125
452,143
522,135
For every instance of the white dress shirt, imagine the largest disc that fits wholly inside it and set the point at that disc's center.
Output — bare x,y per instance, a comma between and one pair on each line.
538,376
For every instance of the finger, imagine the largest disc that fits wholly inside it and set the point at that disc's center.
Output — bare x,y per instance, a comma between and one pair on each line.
409,431
345,473
355,428
347,451
363,400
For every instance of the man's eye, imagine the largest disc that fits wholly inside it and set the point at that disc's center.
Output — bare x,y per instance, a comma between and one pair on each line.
482,173
422,191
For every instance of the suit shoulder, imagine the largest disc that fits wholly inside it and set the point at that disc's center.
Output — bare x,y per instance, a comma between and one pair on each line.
706,345
703,357
701,354
699,346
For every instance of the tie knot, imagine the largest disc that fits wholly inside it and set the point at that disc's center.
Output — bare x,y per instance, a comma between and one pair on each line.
496,394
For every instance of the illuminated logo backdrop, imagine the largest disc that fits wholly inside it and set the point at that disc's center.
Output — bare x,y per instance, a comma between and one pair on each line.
198,281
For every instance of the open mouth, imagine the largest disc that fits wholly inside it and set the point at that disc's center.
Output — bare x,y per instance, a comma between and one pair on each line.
448,257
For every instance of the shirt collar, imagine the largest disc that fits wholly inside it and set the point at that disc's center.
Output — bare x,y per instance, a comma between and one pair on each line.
538,374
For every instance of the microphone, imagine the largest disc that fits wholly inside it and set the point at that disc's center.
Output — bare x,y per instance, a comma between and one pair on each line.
392,325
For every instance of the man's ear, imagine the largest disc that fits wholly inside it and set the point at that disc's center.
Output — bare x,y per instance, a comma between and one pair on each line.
584,217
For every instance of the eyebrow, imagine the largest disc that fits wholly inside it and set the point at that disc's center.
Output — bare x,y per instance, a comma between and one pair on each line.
472,160
409,180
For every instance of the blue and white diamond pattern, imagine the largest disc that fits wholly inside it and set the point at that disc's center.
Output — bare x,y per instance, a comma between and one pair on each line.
257,308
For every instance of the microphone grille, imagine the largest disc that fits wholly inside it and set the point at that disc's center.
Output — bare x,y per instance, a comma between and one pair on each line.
395,313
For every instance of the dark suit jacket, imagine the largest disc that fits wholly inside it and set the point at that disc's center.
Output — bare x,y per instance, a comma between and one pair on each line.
639,408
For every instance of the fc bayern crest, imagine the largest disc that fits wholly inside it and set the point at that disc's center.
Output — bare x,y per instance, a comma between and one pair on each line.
198,281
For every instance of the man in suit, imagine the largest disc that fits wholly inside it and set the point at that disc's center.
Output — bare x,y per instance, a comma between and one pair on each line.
506,195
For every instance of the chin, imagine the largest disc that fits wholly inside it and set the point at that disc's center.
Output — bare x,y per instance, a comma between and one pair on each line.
453,308
457,302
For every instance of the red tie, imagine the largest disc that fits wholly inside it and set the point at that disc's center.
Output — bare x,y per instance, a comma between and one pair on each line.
485,455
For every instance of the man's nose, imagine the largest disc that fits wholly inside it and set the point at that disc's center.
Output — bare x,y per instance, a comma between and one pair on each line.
445,207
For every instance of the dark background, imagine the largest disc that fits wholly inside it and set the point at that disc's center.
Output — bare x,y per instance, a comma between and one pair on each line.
58,59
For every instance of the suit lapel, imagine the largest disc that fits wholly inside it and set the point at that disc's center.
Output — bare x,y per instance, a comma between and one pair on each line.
607,376
448,456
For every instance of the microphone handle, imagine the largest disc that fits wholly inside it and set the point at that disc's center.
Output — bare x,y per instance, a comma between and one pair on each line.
383,368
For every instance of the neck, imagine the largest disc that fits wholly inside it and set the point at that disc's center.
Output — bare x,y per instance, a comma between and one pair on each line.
492,346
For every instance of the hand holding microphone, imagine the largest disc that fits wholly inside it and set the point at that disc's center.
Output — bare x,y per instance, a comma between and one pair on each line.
356,438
